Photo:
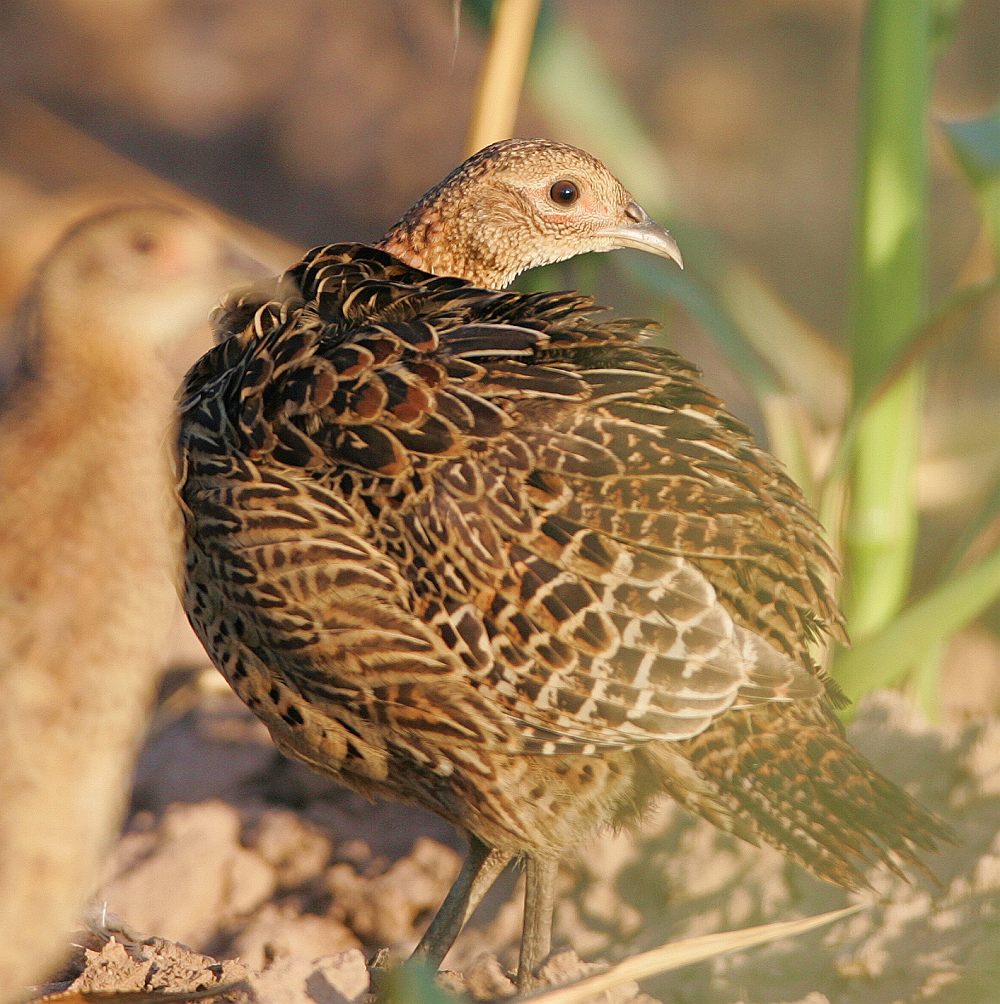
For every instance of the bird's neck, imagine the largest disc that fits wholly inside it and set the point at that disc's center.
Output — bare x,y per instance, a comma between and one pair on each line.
436,239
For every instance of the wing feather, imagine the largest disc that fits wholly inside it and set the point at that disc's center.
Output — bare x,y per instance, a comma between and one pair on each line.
561,503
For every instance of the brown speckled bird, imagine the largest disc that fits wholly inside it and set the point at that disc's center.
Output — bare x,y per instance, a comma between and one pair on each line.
86,548
489,553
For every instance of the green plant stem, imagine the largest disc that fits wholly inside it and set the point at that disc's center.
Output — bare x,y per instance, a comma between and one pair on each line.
880,533
930,335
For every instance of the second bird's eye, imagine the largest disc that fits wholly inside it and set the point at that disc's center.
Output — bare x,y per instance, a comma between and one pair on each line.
144,242
564,193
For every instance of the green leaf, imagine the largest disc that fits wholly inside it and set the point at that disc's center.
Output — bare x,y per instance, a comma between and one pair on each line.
413,982
771,349
924,682
976,144
753,333
884,658
929,335
986,516
700,300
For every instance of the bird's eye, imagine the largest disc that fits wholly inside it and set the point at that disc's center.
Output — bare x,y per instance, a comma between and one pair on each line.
564,193
144,242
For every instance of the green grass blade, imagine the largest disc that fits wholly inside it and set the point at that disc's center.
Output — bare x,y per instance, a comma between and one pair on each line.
739,330
944,21
983,520
880,533
884,658
698,297
929,335
881,529
923,685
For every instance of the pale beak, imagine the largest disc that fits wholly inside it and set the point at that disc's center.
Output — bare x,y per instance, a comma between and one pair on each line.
642,233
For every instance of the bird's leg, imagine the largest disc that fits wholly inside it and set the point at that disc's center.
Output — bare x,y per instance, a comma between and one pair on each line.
481,868
539,899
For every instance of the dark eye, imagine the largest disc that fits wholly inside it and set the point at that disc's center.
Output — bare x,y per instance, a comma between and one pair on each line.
564,193
144,242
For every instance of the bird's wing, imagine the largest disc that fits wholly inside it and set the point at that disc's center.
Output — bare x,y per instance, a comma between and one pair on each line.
599,543
671,572
639,566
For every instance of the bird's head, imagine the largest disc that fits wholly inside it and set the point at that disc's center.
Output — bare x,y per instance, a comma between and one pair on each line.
518,204
135,279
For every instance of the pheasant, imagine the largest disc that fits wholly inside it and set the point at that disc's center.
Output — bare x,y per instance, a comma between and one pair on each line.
86,558
495,554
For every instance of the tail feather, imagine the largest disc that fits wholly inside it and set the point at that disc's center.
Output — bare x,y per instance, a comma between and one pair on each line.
785,775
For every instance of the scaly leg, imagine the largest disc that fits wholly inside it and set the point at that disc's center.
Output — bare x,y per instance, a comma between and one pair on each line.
481,868
539,900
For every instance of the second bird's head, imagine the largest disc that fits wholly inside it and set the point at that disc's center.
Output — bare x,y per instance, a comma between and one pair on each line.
518,204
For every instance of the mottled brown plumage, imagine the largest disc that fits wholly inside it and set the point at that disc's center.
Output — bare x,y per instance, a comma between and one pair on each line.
496,555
